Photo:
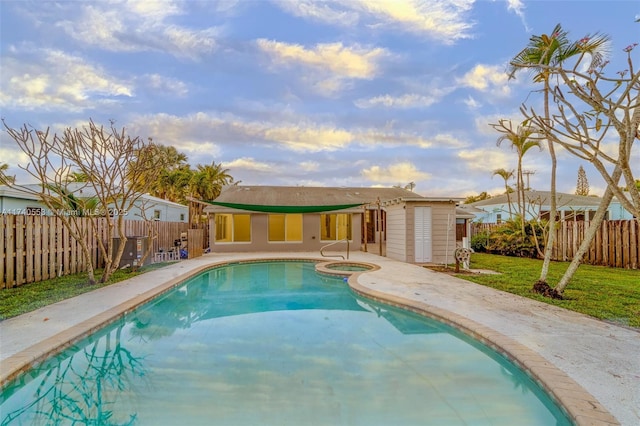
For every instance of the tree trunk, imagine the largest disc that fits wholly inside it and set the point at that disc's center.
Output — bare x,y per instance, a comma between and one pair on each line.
551,237
521,201
589,235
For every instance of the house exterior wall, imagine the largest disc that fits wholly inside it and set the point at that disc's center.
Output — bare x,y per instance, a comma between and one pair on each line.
169,212
396,247
443,231
310,236
617,212
19,206
401,230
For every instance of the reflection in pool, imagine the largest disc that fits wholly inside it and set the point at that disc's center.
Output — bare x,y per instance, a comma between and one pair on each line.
275,343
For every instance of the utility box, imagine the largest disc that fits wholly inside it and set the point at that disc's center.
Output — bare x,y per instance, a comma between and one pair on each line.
134,249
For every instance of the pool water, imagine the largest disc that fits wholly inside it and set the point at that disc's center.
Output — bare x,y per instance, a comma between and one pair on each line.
352,267
275,343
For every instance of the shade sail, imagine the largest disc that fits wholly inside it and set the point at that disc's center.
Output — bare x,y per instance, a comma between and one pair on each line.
284,209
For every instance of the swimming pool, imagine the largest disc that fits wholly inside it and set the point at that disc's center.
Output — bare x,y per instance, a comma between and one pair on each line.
275,343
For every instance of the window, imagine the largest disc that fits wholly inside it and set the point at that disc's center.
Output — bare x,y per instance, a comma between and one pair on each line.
233,228
156,214
335,226
499,218
285,227
181,217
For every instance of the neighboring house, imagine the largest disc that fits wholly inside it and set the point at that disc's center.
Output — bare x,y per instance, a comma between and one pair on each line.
619,212
415,229
537,205
21,199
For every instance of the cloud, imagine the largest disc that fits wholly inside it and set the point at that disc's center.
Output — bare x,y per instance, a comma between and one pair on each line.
445,21
287,132
57,81
518,8
309,138
394,174
310,166
411,100
487,78
351,62
133,26
472,103
325,12
249,164
12,156
326,66
165,85
487,159
302,136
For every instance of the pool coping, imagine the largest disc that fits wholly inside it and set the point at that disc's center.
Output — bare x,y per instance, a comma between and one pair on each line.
581,407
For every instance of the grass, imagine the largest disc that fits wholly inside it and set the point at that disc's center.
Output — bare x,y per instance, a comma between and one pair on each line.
607,293
610,294
29,297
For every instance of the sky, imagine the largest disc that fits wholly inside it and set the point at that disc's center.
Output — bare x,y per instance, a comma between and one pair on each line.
358,93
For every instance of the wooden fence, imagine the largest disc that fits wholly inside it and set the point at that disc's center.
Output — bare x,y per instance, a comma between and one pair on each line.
36,248
617,242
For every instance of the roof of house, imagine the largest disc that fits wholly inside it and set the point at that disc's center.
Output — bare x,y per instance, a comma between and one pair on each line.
320,198
15,192
542,198
467,212
30,191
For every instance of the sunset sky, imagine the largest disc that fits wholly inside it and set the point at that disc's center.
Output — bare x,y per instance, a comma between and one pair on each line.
331,93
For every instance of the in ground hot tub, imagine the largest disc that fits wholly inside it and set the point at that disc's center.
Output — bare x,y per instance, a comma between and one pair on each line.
344,268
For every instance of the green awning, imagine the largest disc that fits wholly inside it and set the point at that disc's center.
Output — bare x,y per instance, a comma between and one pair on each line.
284,209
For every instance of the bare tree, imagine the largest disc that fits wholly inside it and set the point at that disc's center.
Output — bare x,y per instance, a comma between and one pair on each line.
592,110
541,56
106,158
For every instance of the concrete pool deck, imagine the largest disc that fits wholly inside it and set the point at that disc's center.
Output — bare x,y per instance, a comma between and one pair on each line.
592,367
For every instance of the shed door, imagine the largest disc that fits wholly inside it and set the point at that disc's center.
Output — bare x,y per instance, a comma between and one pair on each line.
422,234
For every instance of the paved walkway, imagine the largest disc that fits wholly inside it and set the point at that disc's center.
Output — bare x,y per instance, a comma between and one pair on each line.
578,357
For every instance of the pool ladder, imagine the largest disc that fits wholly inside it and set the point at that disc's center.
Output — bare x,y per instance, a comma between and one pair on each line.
333,243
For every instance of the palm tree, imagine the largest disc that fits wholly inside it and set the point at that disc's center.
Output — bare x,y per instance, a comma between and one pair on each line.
522,140
4,178
206,184
506,175
77,177
541,53
173,185
170,160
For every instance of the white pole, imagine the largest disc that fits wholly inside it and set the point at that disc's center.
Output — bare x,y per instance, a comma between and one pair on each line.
446,253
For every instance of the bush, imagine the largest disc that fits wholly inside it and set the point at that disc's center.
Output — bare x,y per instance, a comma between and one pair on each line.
480,241
509,241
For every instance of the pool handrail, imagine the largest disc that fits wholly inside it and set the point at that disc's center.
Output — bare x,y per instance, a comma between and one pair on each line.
333,243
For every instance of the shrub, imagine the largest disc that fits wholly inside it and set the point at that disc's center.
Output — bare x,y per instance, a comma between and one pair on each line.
508,240
480,241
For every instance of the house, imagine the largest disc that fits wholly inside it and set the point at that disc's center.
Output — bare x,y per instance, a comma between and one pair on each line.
537,205
23,199
414,228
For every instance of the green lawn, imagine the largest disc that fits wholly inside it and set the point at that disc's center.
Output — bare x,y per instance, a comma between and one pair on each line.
607,293
29,297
